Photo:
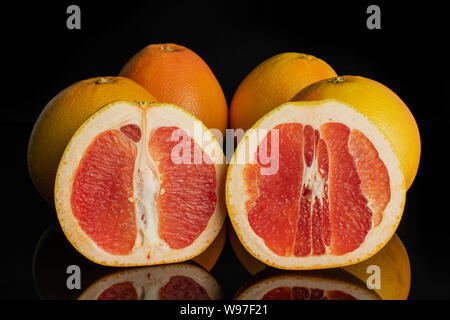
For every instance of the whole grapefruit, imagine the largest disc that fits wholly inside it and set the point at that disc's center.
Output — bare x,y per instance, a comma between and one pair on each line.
63,115
274,82
175,74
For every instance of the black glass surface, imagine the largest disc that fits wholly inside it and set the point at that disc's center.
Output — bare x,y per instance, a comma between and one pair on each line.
41,57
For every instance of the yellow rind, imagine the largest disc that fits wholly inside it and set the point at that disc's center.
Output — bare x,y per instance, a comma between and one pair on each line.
62,116
381,106
395,270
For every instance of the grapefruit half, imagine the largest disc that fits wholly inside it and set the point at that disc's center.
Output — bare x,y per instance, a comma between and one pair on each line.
181,281
315,185
141,184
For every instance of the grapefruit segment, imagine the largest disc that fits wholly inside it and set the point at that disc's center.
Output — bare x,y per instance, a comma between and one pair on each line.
330,203
189,196
322,165
318,246
281,293
123,198
302,244
119,291
183,288
373,174
301,293
277,230
101,188
350,217
132,131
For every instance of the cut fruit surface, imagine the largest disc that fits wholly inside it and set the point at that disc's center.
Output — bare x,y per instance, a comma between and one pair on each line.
141,184
314,185
305,285
182,281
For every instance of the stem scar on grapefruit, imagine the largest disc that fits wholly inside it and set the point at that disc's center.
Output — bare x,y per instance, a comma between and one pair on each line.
175,74
182,281
141,184
335,191
272,83
63,115
384,108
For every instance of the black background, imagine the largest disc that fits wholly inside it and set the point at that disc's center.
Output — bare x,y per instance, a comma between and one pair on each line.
41,57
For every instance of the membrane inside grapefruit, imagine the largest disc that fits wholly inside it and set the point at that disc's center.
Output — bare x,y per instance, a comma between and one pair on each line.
143,191
170,282
316,186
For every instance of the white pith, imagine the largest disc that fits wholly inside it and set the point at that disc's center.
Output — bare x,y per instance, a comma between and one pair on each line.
149,248
149,280
258,290
315,114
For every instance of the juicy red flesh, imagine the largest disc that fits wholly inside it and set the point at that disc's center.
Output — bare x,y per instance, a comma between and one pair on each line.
278,230
132,131
280,293
294,219
183,288
189,197
322,164
119,291
302,293
102,186
350,217
318,246
302,244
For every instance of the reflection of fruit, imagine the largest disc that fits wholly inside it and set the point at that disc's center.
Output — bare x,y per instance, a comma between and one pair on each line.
393,261
175,74
384,109
182,281
334,284
395,271
273,82
54,254
63,115
251,264
351,194
208,258
52,257
136,186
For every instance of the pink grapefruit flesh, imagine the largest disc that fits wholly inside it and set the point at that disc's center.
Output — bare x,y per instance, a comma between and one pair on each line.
189,197
183,288
119,291
302,293
101,188
317,201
